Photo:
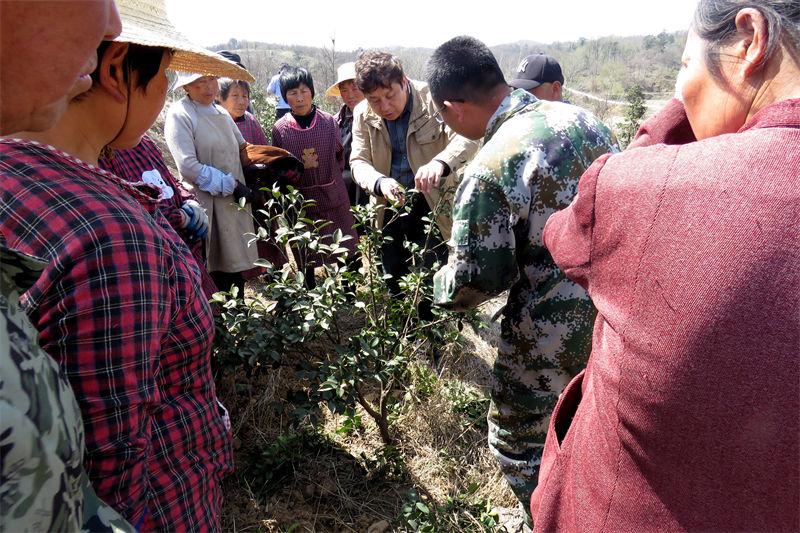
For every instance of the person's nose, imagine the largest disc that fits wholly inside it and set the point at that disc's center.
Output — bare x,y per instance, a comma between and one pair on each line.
113,24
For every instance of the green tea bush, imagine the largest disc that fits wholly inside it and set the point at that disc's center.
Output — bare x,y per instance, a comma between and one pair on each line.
256,333
358,370
264,107
460,513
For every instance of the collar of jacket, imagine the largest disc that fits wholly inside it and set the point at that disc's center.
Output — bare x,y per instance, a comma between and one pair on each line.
781,114
516,101
344,115
420,112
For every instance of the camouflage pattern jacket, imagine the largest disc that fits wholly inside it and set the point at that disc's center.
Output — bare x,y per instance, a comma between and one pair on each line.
534,153
43,486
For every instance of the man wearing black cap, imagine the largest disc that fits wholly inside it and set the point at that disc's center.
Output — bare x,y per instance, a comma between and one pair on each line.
540,75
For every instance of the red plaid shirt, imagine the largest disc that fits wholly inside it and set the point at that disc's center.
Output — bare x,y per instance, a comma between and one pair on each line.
130,164
119,307
251,129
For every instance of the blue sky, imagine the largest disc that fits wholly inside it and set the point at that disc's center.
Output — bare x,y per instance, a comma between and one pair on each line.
424,23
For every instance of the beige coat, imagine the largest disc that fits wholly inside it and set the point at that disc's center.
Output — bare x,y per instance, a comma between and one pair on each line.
427,140
195,140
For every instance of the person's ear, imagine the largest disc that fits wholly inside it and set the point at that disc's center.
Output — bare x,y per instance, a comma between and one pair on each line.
556,90
458,109
753,35
112,72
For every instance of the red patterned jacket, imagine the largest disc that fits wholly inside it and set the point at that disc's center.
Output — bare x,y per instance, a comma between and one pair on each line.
688,414
143,158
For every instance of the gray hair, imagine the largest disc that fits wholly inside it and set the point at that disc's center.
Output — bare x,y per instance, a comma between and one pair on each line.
225,85
715,23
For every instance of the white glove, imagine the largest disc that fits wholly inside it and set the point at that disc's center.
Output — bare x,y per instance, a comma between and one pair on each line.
195,219
216,182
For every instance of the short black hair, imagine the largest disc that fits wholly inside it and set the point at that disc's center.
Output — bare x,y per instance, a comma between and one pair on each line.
225,85
292,77
462,69
143,60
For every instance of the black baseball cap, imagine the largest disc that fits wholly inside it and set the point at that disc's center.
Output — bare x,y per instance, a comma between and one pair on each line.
535,70
231,56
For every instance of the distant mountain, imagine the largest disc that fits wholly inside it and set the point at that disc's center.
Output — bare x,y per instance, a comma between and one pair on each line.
604,68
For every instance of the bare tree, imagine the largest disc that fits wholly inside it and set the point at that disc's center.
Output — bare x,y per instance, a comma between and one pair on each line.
328,63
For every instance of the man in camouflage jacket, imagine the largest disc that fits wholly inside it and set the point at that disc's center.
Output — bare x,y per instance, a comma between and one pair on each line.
43,486
533,155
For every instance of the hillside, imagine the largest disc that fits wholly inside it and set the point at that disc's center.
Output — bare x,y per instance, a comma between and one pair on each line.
603,67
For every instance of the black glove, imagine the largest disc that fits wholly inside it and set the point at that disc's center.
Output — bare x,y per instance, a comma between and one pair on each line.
252,196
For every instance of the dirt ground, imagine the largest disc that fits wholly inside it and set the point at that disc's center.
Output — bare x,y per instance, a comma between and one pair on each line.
346,481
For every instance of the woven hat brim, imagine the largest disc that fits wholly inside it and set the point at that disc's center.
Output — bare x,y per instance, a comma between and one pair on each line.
146,23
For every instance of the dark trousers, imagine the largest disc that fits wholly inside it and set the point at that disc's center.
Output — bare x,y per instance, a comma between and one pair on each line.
280,112
357,195
224,280
396,258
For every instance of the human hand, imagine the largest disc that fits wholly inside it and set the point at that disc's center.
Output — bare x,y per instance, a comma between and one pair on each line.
428,176
393,191
228,184
215,182
250,195
195,219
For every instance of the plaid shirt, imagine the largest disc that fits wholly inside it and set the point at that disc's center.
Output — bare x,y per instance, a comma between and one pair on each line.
118,306
251,129
130,164
320,149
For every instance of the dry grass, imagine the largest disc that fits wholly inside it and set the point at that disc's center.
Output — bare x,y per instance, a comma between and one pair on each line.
338,485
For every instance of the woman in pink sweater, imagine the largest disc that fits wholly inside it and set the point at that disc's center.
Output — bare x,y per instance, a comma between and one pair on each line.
686,417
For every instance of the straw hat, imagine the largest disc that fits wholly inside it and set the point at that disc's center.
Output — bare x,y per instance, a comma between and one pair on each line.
345,72
145,22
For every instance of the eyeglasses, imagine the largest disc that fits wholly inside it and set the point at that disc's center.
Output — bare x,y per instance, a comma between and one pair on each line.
438,115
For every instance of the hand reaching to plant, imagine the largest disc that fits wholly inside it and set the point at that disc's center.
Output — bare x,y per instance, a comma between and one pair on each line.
393,191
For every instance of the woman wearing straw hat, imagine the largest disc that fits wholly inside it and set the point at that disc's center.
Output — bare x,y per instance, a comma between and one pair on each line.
119,303
345,88
205,143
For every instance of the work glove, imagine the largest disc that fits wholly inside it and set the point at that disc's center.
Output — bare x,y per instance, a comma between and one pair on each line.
215,182
195,219
251,196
